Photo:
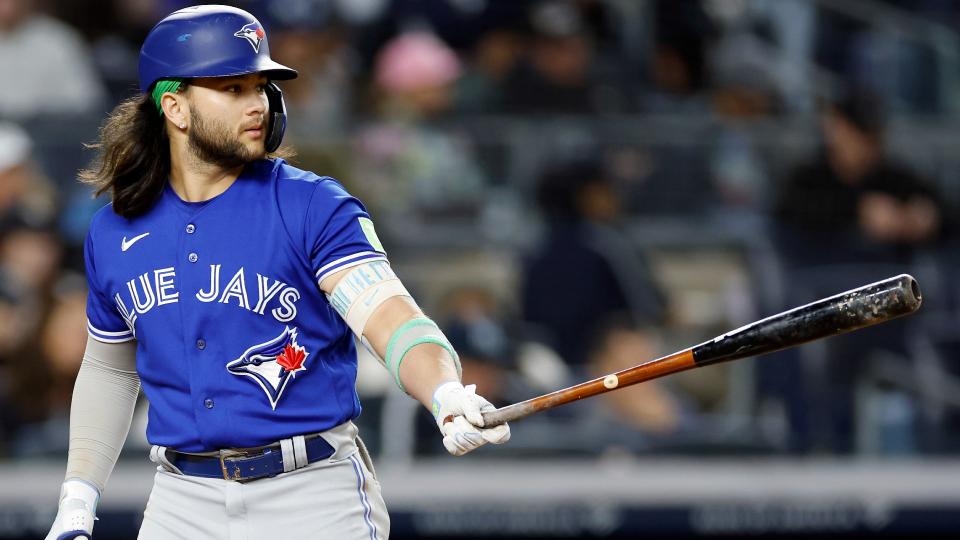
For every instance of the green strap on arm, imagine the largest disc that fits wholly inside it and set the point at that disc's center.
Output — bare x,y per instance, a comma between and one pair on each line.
430,334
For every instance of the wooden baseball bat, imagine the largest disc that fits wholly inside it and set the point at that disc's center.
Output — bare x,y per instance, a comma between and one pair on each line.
852,310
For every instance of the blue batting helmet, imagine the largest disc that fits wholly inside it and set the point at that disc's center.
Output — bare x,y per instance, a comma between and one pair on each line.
207,41
214,41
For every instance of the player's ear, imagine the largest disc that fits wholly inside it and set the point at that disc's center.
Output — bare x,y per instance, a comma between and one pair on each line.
175,108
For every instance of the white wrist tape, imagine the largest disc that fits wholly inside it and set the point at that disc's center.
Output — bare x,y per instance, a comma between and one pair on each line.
410,334
76,511
359,293
82,491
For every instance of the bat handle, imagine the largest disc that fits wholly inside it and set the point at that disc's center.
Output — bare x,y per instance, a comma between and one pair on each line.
505,414
490,418
495,417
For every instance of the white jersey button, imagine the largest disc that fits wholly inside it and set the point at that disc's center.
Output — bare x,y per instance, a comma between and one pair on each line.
190,228
208,403
192,257
201,344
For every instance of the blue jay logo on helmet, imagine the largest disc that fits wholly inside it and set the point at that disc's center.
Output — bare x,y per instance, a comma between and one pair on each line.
253,33
273,364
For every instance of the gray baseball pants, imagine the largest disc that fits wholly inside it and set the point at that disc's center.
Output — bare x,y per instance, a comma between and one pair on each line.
337,498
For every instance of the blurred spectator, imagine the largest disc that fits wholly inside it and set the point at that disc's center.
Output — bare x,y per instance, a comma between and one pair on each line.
15,146
45,370
907,69
308,35
738,170
850,216
558,75
646,407
678,67
585,277
765,47
756,63
49,62
21,308
743,90
753,54
641,418
492,59
115,34
405,167
30,258
458,23
415,72
741,69
31,253
22,186
792,25
666,178
602,20
853,203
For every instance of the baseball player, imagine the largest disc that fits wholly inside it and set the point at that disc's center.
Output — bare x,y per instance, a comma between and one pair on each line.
235,289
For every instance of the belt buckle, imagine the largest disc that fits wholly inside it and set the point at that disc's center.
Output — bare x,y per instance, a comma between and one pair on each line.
223,466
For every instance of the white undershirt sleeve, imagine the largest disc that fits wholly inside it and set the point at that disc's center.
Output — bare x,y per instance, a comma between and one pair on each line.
104,398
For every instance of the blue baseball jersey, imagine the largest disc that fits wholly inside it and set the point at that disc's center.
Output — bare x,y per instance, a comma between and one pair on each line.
237,346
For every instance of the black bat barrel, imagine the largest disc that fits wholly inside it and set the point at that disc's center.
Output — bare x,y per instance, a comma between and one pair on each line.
845,312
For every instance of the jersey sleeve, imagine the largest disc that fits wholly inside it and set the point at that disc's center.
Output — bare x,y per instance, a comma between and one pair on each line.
339,232
104,322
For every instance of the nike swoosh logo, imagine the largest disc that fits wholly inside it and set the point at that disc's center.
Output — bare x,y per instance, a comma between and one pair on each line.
370,298
125,244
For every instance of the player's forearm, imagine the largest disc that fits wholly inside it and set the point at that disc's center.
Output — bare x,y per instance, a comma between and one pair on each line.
426,365
425,368
104,398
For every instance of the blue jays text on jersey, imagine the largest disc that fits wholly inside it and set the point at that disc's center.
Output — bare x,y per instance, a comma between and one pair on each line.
157,288
236,344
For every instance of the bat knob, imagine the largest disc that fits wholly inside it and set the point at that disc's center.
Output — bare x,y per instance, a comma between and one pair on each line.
912,290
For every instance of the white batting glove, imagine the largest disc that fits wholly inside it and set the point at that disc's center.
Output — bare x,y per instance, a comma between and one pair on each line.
465,432
77,511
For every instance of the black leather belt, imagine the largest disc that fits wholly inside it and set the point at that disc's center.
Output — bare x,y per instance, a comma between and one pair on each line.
244,465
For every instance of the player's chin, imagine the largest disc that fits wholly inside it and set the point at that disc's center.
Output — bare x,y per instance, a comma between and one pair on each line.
255,148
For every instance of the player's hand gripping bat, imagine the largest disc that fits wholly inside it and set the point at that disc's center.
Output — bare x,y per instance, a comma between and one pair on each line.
855,309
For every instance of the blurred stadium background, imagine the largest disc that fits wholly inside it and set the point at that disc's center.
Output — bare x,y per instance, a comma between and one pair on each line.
570,187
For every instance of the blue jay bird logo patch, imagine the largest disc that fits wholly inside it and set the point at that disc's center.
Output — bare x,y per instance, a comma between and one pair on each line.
273,364
253,34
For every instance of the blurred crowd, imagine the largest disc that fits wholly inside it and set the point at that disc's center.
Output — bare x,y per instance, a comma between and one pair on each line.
526,162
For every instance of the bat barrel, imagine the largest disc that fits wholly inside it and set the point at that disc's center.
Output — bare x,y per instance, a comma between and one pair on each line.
839,314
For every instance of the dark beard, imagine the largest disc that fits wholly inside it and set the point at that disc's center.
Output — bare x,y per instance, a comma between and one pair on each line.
211,143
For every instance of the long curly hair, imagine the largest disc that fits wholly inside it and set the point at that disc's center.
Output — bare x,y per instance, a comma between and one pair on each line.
133,158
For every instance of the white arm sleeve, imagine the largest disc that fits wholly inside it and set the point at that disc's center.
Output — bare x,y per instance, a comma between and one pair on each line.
104,397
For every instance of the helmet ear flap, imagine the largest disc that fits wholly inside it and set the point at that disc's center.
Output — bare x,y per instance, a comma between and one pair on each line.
278,117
